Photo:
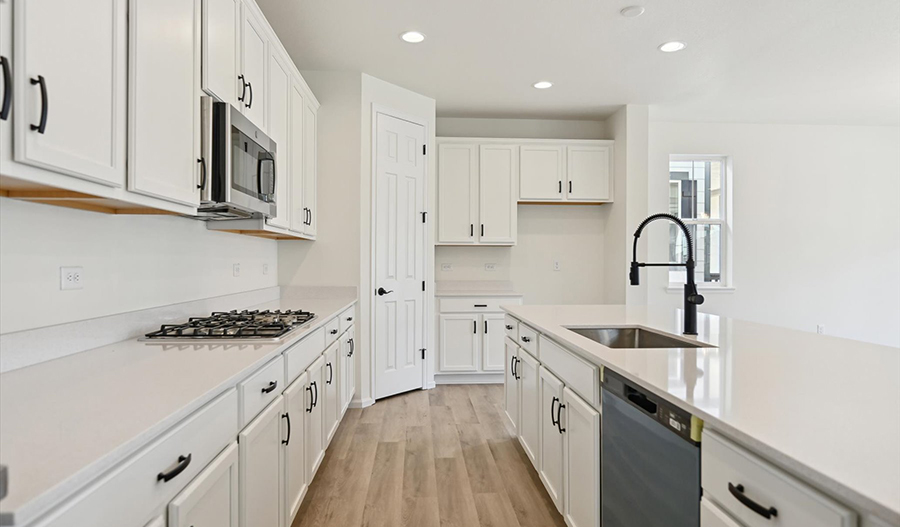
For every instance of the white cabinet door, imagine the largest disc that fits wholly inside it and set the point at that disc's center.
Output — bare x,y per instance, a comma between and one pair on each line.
589,170
164,105
348,373
211,499
460,342
310,166
220,48
712,516
498,180
315,426
529,405
581,454
492,346
457,193
298,215
511,384
279,87
6,88
261,469
332,401
254,59
551,440
542,172
70,68
293,458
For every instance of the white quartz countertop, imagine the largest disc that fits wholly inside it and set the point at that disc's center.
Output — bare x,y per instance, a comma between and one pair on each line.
474,288
824,408
64,422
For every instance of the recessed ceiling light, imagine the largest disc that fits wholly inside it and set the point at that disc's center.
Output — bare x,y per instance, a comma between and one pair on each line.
413,37
543,85
632,11
672,47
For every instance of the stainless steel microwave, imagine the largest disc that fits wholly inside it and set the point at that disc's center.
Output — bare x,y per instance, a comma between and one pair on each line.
237,176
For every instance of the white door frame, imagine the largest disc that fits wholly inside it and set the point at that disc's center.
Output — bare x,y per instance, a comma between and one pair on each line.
429,246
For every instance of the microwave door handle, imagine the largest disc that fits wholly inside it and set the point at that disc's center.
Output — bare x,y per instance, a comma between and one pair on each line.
259,165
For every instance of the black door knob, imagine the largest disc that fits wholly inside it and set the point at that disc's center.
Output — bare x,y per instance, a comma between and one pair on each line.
382,291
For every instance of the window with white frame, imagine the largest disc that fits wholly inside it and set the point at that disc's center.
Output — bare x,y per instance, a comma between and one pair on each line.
697,195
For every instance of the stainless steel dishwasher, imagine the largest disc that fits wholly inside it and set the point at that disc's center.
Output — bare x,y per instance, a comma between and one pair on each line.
649,465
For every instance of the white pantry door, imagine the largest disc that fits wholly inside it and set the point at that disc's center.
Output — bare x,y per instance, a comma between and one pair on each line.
399,247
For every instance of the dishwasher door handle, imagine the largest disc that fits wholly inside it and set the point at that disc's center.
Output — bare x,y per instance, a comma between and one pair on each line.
640,400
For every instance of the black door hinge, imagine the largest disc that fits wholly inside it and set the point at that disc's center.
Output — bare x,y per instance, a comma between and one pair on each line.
423,216
423,150
423,353
423,285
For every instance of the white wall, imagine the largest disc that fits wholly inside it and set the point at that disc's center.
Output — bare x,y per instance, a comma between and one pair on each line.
816,223
570,234
130,263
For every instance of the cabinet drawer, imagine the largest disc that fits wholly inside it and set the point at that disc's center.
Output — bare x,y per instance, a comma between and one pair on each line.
346,319
511,326
579,375
132,492
332,330
733,477
528,340
712,516
257,391
299,356
476,304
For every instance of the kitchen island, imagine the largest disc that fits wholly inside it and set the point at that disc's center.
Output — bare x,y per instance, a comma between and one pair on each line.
824,410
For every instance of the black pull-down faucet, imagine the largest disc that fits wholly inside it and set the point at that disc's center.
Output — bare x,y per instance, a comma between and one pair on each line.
691,297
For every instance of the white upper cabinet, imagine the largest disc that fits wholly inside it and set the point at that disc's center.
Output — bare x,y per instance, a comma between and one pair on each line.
457,193
254,59
70,87
220,33
279,87
164,100
310,162
589,170
542,172
498,176
298,215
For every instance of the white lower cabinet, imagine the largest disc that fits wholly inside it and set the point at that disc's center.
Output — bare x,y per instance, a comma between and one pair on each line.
550,468
211,499
295,481
470,338
314,426
331,403
581,467
347,368
529,405
460,342
712,516
261,468
511,385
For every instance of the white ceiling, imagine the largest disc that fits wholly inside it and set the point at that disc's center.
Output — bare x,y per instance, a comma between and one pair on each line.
801,61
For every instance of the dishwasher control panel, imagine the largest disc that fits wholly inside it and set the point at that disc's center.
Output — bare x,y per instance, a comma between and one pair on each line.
670,416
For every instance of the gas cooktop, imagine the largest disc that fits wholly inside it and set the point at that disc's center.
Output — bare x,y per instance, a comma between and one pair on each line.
236,325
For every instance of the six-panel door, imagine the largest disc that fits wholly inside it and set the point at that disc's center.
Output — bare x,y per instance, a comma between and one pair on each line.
261,469
70,85
550,467
581,454
211,499
529,405
458,191
294,416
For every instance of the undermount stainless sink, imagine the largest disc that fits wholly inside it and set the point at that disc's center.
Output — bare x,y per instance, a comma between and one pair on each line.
635,338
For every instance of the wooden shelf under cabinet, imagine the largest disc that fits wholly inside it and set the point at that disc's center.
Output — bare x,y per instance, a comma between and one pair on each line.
36,193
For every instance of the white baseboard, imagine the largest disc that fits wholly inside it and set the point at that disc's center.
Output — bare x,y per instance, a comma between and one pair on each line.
468,378
362,403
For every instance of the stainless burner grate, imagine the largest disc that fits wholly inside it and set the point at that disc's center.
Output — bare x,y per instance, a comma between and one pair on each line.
230,325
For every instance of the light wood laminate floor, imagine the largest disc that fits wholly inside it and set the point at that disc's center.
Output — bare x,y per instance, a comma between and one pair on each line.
441,457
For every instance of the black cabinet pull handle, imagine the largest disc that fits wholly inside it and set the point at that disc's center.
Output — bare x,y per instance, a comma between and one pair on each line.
480,305
183,462
526,339
515,364
475,327
352,345
309,213
560,186
316,399
43,124
288,440
482,229
570,187
330,373
7,90
471,230
509,327
250,104
559,418
553,402
202,184
512,366
485,327
738,492
243,88
333,332
349,319
272,385
309,389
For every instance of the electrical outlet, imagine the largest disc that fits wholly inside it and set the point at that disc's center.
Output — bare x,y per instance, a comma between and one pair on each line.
820,329
556,266
446,267
265,268
236,269
71,278
490,267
